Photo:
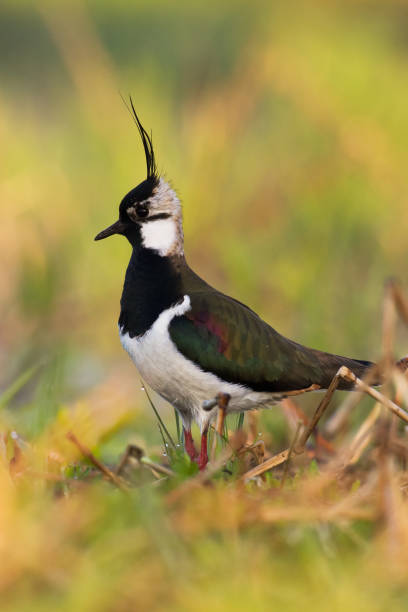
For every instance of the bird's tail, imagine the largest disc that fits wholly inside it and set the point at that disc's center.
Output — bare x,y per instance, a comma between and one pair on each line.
361,368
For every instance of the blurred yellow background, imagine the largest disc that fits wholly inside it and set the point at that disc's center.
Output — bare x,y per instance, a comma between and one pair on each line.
283,127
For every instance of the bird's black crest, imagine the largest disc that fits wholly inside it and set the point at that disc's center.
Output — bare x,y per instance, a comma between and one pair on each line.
147,144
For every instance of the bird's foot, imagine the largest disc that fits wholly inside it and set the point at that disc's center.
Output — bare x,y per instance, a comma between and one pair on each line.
203,458
189,445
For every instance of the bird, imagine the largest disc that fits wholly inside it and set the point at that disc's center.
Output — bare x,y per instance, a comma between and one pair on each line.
191,342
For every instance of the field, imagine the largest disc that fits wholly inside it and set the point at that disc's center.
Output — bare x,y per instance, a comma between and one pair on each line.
283,127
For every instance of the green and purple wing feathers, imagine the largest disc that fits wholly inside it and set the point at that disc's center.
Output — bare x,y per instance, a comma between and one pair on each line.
226,338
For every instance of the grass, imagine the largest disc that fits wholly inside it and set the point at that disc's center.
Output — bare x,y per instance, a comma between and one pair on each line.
283,126
325,527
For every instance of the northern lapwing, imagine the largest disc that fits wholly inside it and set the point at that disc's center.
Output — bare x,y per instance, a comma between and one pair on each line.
190,341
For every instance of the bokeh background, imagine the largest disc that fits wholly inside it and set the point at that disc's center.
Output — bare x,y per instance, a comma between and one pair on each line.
283,127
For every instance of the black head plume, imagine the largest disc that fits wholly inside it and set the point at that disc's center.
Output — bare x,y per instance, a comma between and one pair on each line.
139,194
147,144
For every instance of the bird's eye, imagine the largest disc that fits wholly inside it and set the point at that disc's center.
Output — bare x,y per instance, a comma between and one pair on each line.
142,210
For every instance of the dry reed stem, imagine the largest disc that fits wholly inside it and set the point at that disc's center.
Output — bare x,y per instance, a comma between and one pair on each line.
137,453
364,442
379,397
313,387
292,446
401,382
363,435
253,418
294,413
131,451
337,422
339,463
352,449
222,402
389,320
400,300
394,302
389,495
100,466
156,467
256,450
318,413
266,465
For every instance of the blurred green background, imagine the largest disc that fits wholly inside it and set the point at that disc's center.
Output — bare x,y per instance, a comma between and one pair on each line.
282,126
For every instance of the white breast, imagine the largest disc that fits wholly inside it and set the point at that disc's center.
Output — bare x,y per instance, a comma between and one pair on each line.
178,380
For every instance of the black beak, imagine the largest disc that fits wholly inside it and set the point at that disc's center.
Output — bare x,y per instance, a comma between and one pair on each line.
116,228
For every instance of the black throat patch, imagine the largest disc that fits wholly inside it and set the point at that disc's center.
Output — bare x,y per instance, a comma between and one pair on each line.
152,284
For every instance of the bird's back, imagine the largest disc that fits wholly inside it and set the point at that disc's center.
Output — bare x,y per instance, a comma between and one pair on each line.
224,336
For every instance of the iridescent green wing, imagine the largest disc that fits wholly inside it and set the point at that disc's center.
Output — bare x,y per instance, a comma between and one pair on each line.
226,338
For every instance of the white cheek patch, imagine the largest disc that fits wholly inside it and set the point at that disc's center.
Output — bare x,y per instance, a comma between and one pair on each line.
160,235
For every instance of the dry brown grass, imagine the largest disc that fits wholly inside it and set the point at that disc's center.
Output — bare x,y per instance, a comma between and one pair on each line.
62,528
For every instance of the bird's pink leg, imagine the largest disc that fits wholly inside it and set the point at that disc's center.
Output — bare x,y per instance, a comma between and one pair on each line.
189,445
203,458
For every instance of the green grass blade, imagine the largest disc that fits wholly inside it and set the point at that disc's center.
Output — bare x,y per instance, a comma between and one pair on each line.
18,384
240,420
178,428
162,425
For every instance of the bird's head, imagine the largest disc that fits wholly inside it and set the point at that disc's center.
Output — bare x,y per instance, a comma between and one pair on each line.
150,214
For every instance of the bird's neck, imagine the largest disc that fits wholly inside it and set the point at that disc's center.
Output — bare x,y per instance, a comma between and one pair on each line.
152,284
